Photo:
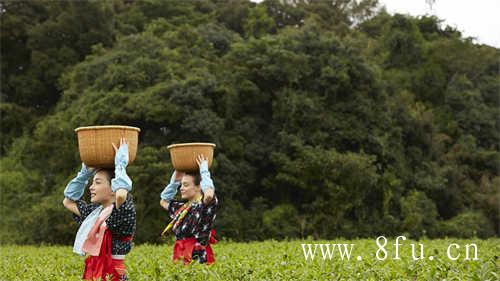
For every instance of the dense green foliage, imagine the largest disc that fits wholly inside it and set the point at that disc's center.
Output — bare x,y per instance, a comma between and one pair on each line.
331,119
269,260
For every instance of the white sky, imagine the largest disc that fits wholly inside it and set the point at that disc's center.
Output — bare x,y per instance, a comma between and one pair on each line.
479,19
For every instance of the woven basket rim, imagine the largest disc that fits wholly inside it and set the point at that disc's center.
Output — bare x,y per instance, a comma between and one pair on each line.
107,127
191,144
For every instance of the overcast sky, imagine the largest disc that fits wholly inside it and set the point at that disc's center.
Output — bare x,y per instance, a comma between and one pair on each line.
479,19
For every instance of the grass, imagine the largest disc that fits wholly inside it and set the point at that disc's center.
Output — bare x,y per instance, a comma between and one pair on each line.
268,260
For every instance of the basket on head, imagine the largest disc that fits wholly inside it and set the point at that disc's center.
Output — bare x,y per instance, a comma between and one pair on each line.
183,155
95,145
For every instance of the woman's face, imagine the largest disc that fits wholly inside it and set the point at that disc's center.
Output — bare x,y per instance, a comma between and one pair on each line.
188,189
100,190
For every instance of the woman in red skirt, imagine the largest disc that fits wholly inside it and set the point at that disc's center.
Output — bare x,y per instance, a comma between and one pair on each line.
193,216
107,224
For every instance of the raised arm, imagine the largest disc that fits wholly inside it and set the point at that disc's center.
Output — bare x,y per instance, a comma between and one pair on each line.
121,184
75,188
206,184
170,190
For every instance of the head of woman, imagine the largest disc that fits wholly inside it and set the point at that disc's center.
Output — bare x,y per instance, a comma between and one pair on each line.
100,190
190,185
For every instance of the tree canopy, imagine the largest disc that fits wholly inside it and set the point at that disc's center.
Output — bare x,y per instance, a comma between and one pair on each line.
331,119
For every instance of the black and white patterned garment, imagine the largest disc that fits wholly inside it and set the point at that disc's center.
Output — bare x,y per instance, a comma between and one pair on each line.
197,223
121,223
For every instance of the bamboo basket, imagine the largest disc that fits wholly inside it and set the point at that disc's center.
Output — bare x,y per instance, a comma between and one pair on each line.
183,155
95,145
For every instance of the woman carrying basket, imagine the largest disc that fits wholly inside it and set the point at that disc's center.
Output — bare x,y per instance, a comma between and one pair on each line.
193,215
107,224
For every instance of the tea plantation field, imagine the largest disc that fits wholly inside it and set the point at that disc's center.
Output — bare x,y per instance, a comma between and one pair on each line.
271,260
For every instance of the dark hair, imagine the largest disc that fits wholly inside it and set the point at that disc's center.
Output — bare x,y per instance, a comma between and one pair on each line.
196,177
109,172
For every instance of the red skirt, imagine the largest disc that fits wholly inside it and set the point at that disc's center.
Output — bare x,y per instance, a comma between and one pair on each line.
115,270
183,249
102,266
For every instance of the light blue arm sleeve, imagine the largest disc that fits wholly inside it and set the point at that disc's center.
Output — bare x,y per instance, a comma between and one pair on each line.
121,179
170,190
75,188
206,181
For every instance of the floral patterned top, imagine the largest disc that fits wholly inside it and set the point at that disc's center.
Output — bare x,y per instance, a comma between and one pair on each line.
121,223
197,223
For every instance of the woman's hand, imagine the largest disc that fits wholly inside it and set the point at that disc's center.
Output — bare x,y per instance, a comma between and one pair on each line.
164,204
122,142
208,191
200,158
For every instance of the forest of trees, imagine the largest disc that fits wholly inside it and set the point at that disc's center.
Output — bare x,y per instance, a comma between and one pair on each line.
331,118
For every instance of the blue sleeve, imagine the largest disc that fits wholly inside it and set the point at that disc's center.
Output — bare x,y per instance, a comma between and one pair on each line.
75,188
121,179
170,190
206,181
